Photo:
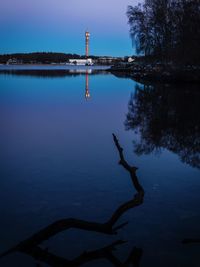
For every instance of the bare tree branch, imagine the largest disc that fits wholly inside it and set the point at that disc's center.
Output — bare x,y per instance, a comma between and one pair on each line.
30,245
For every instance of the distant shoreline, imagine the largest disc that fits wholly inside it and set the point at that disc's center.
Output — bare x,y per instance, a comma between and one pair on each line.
51,67
48,70
157,72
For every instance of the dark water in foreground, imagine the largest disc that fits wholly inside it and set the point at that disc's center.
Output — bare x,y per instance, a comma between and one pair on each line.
58,160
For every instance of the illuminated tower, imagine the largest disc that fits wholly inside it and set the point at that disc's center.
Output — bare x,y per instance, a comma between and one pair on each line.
87,92
87,37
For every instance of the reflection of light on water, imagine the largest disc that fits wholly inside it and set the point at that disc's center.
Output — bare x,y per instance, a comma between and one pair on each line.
87,72
80,71
87,92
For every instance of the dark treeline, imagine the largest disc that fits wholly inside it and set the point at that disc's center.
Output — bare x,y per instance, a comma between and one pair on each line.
167,30
52,57
40,57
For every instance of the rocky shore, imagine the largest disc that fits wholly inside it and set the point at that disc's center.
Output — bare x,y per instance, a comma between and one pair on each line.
157,72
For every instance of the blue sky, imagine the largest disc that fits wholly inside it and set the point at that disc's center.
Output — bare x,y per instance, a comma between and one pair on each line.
59,26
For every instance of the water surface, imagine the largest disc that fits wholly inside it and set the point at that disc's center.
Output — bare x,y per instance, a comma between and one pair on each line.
58,160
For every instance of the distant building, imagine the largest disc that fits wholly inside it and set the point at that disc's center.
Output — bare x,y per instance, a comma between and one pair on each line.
108,60
83,62
87,61
13,61
130,60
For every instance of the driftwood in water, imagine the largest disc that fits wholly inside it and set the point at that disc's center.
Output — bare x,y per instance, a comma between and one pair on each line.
31,245
104,253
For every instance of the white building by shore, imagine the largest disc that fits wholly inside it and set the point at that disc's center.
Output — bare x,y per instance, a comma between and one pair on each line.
81,62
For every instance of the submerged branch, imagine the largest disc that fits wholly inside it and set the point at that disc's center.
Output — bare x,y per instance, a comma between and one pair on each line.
53,260
131,169
87,256
31,245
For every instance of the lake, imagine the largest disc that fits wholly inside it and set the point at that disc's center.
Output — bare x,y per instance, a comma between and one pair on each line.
58,160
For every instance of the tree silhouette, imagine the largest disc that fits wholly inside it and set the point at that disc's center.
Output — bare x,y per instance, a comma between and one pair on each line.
167,29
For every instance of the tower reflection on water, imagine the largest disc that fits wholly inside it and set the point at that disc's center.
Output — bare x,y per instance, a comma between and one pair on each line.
87,72
87,92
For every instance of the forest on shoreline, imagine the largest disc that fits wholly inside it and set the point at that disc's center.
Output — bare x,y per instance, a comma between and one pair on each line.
166,30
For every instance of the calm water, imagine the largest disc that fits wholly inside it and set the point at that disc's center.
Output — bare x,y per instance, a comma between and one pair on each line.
58,160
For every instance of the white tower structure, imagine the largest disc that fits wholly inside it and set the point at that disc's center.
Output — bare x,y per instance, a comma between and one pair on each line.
87,38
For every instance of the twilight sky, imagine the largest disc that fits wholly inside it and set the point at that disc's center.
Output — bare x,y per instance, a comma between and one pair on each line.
59,26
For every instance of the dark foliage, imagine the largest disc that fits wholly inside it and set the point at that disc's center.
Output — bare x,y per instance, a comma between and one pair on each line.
40,57
167,29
